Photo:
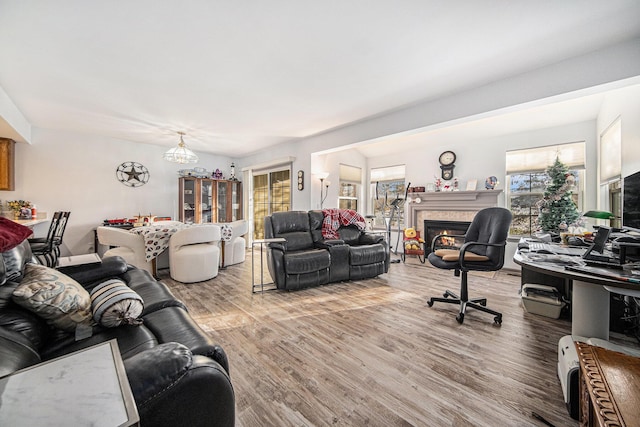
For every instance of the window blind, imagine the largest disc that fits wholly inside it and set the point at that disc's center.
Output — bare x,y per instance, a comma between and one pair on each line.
390,173
611,153
540,158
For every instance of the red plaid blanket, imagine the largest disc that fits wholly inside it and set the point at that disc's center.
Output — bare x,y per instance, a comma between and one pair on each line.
334,218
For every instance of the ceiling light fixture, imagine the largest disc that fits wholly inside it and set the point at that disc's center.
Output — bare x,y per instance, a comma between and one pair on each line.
181,154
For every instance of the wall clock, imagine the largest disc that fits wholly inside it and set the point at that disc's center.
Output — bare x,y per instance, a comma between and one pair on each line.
447,160
132,174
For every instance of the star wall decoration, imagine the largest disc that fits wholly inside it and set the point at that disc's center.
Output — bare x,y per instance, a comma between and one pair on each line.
132,174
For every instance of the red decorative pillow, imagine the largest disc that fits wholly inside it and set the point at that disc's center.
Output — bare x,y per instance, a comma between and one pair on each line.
11,234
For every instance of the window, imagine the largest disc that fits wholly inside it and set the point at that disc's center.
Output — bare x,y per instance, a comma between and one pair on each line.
387,191
610,160
527,178
350,182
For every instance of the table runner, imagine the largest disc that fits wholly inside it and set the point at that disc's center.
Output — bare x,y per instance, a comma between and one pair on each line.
156,237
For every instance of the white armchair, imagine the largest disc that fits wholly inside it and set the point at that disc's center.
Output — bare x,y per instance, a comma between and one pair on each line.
127,245
194,253
235,248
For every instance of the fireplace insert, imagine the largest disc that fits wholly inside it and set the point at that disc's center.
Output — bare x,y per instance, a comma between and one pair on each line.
433,228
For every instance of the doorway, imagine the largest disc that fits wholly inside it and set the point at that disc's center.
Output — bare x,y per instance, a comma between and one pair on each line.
271,193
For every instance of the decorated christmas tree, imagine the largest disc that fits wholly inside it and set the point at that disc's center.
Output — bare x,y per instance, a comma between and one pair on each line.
557,208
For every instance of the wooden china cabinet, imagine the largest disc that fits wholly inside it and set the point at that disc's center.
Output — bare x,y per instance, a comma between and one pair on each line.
206,200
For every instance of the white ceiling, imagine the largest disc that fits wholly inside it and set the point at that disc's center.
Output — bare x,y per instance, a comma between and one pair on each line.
239,76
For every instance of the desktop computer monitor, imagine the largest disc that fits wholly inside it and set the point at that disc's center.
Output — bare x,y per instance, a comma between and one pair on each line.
595,251
602,235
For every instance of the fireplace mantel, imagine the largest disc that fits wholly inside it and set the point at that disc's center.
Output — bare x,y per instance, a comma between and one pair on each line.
450,201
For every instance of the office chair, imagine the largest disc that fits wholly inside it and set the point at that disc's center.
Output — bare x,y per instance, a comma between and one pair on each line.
483,250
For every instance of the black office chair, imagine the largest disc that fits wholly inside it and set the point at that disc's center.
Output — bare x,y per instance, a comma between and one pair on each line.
47,249
483,250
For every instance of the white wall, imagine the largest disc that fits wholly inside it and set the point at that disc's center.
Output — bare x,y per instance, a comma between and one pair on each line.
626,105
74,172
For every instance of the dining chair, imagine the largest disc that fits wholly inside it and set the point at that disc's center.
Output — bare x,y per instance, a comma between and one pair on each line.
44,248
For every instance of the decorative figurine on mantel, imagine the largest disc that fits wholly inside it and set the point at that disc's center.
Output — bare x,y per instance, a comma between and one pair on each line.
217,174
438,184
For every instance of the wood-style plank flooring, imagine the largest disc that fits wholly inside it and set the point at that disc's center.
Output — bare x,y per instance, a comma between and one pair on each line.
372,353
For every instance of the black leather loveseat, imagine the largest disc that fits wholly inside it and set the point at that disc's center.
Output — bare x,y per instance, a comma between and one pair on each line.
178,376
308,259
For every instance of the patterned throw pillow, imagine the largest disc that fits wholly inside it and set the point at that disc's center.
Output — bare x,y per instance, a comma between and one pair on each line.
55,297
113,304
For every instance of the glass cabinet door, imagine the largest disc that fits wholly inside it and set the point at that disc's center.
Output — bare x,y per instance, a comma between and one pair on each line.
188,212
222,202
236,201
206,201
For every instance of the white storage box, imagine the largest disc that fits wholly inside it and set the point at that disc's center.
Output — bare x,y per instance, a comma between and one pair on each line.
542,299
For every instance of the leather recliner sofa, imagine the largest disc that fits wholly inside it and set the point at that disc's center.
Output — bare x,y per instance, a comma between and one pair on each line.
308,259
178,375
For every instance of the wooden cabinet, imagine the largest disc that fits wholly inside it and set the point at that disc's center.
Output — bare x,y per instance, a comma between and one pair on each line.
7,164
205,200
609,387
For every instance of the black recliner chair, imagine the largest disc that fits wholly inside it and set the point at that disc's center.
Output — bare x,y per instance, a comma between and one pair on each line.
483,250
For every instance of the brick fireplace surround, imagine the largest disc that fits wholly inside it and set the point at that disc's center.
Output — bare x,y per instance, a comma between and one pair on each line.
448,206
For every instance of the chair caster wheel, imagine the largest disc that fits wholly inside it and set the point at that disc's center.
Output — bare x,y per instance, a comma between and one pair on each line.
445,295
483,303
498,320
430,303
460,318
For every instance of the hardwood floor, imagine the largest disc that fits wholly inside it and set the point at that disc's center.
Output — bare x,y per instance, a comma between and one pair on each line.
373,353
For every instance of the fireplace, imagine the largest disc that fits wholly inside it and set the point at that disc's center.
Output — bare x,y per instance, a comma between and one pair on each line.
433,228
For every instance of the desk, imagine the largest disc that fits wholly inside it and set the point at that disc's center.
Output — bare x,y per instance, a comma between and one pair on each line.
589,301
88,387
609,387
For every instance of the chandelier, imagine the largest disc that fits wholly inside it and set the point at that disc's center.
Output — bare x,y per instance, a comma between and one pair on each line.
181,154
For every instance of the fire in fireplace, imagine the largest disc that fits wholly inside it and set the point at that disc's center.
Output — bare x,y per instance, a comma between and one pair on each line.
433,228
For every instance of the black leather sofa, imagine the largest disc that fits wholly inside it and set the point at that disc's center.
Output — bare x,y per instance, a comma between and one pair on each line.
178,376
307,259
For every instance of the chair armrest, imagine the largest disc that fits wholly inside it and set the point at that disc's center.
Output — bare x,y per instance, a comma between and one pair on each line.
439,237
468,245
111,236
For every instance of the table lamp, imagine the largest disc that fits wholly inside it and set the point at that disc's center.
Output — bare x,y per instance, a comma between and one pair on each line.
599,215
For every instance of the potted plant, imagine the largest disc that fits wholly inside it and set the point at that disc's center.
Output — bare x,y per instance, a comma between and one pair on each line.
20,208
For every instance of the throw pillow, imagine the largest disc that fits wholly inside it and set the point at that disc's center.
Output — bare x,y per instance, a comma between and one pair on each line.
11,234
113,304
55,297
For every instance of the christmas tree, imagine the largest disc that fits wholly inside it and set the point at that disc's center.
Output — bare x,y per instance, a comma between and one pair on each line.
557,209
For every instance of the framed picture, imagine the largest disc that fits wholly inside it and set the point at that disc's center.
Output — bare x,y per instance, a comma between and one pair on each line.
472,184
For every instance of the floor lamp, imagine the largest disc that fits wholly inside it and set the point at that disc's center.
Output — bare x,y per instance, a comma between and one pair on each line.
324,186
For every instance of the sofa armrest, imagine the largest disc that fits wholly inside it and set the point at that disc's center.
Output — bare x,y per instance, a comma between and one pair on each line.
16,352
278,246
328,243
370,238
171,386
90,273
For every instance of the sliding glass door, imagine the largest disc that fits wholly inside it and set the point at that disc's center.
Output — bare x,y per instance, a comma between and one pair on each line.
271,193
